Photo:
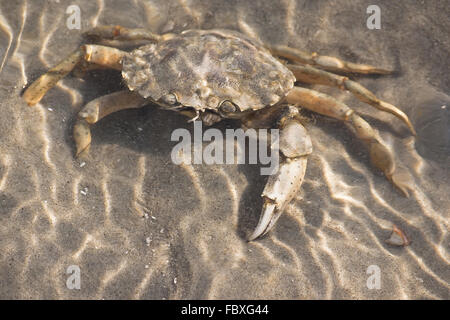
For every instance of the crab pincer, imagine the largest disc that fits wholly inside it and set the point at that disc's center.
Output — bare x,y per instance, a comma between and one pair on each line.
294,147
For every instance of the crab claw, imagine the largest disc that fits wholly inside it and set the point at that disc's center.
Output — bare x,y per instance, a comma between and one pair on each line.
281,187
279,191
269,216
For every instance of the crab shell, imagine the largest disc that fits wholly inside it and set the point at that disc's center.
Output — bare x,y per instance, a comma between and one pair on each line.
204,68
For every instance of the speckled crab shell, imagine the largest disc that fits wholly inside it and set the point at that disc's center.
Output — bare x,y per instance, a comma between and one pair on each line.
203,68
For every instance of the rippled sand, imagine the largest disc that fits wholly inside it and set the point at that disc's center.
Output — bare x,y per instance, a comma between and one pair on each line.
140,227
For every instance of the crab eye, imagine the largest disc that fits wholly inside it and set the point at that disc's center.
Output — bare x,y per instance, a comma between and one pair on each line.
169,98
228,107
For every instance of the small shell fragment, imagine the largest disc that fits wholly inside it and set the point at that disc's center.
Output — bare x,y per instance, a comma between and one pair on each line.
398,238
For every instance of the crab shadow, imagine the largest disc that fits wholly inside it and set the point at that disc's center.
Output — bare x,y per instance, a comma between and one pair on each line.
148,131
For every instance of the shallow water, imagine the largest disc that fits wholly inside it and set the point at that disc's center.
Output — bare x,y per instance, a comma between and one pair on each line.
139,226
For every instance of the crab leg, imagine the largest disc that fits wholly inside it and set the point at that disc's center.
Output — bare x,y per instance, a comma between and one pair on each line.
380,155
34,93
325,62
99,108
100,55
309,74
118,36
281,187
121,33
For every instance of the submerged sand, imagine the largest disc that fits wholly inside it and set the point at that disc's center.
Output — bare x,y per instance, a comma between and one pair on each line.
140,227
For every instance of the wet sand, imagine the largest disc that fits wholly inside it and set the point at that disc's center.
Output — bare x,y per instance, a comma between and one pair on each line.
140,227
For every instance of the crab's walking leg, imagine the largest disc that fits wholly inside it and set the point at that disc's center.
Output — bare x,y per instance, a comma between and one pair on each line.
121,33
309,74
325,62
294,147
34,93
118,36
100,55
99,108
380,155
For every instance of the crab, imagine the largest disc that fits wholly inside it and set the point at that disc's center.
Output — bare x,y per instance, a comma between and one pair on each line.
216,74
